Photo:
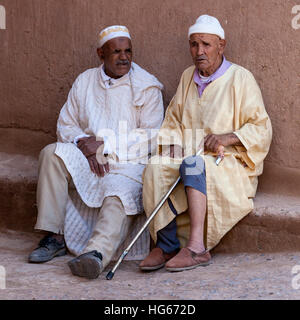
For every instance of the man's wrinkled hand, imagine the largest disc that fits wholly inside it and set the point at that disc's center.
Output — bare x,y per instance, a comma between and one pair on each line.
213,142
89,145
96,167
93,151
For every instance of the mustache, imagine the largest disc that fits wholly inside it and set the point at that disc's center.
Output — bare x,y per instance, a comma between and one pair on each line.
123,63
202,57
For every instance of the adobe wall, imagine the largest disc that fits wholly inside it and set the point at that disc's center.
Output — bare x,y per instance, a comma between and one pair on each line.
48,43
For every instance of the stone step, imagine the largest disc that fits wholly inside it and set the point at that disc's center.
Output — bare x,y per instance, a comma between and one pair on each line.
274,224
18,177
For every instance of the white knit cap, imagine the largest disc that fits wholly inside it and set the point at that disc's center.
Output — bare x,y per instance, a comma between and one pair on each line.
111,33
207,24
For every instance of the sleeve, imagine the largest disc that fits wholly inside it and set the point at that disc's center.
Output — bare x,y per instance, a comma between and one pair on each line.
141,141
68,123
151,117
255,133
79,137
171,131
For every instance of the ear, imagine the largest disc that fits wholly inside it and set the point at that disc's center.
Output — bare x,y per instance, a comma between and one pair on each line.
100,53
222,45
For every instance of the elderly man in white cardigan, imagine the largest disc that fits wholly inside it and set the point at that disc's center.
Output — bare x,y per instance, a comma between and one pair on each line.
106,130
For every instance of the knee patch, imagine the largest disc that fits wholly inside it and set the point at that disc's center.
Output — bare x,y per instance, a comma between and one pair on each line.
192,166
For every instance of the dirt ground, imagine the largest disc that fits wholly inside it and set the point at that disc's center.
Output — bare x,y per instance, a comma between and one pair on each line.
257,276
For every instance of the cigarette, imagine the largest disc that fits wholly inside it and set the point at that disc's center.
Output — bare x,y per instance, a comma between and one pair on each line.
218,161
220,152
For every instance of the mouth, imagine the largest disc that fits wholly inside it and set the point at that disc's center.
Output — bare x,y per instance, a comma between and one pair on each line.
201,59
123,64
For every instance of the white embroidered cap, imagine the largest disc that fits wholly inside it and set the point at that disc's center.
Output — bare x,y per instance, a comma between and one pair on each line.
207,24
111,33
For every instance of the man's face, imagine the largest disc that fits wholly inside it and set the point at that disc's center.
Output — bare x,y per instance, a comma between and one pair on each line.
117,56
207,52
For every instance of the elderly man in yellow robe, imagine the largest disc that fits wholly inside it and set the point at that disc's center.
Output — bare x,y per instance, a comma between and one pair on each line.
218,107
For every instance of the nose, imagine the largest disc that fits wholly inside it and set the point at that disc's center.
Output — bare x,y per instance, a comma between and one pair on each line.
200,50
123,56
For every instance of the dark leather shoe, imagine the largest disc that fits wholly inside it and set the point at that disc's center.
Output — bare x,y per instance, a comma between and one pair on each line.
187,259
48,248
156,259
88,265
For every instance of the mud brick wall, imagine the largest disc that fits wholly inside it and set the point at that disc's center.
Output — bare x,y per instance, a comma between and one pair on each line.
47,43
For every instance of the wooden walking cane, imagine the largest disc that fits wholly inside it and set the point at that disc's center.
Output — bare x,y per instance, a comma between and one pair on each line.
111,273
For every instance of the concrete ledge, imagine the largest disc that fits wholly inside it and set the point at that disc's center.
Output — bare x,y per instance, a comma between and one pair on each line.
18,177
274,224
280,180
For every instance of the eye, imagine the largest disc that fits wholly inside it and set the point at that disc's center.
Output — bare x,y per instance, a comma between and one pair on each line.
128,50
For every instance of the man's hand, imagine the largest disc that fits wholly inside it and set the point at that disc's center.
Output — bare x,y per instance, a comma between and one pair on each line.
172,151
96,167
89,146
213,142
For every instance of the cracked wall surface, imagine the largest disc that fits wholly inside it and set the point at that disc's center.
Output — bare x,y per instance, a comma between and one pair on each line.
46,44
